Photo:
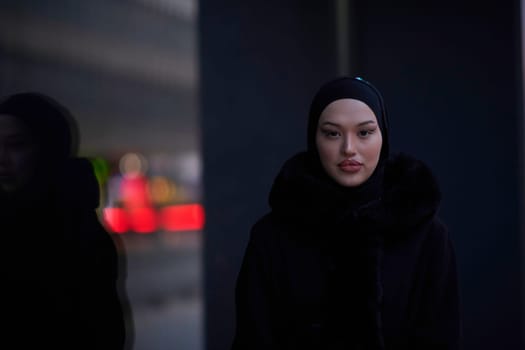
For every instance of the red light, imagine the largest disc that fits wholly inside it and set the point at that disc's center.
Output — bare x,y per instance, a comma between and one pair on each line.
143,220
187,217
116,219
134,192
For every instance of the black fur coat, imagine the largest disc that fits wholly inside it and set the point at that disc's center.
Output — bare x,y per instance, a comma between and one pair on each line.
322,271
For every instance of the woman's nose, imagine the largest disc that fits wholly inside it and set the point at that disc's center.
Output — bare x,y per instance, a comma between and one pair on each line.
348,147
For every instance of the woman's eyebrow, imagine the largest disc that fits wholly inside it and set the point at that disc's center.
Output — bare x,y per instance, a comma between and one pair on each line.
330,123
366,122
360,124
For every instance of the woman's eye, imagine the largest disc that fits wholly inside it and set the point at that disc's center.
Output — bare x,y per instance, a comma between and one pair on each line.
331,134
365,133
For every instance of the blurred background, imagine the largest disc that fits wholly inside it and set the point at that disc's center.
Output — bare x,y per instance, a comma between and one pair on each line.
187,110
128,71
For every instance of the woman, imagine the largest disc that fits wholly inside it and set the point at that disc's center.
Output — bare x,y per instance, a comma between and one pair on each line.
353,254
60,267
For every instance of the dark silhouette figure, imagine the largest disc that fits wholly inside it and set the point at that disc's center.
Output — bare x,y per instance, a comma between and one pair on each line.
60,266
353,254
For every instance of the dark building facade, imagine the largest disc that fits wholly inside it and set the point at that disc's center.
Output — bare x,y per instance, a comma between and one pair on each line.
451,75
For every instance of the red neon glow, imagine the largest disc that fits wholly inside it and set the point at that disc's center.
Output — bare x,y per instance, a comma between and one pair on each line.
143,220
187,217
134,191
116,219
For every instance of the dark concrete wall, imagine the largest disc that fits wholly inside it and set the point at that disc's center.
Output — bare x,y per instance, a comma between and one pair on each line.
261,62
451,75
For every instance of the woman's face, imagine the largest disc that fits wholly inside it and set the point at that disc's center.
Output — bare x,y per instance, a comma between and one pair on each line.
18,153
349,141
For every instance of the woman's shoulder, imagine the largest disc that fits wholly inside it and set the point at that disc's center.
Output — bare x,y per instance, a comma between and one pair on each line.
271,230
415,188
267,226
438,233
411,198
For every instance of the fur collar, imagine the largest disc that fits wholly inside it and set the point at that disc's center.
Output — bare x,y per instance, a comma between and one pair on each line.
409,195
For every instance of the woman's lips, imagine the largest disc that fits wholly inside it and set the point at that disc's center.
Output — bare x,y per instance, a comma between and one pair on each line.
350,166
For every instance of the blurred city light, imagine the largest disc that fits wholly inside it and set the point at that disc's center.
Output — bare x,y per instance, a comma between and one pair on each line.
128,71
189,217
144,204
116,220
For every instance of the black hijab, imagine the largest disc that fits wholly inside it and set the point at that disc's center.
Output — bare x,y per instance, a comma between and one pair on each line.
362,90
348,87
303,192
